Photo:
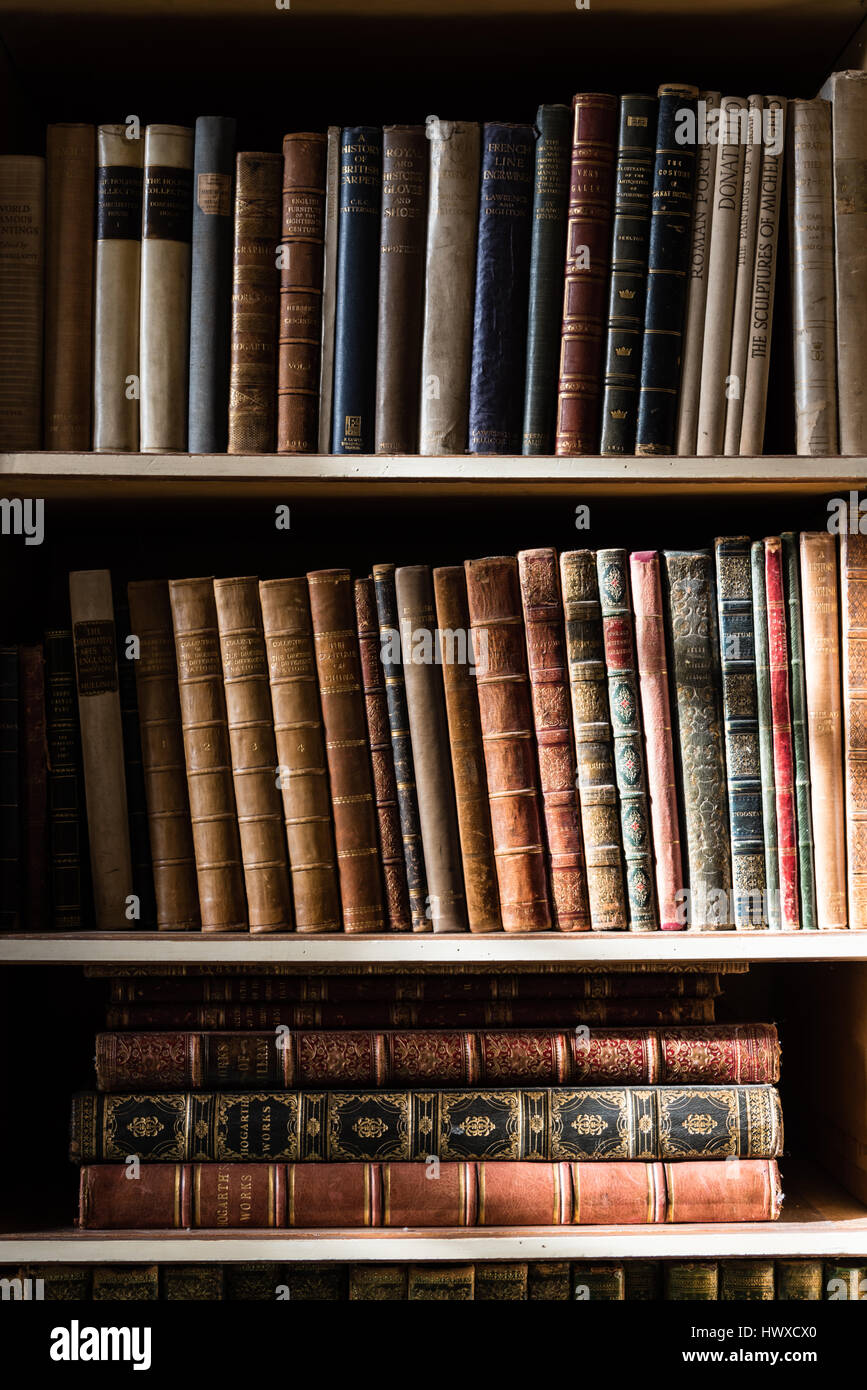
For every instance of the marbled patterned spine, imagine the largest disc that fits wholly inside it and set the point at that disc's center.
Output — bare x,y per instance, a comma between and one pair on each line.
798,693
766,749
784,771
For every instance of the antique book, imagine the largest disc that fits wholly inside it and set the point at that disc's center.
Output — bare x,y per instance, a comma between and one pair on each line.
34,788
255,304
498,1281
319,1282
211,284
799,1280
254,755
547,254
549,1280
423,656
502,288
811,219
22,260
849,136
378,1283
824,723
633,188
162,742
643,1280
588,255
651,662
449,1283
748,1281
505,709
99,716
523,970
329,285
555,746
401,288
798,695
667,264
192,1283
65,790
300,743
116,289
302,243
251,1281
594,742
164,313
691,1280
781,729
339,671
354,393
755,385
845,1281
603,1280
216,844
70,174
126,1283
144,910
60,1283
751,125
467,755
450,267
766,743
697,279
853,615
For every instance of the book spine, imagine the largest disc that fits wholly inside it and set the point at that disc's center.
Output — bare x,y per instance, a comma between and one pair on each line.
422,665
302,250
206,753
300,744
853,593
22,233
70,174
255,304
633,190
588,251
549,688
140,850
547,255
691,1281
502,289
792,587
329,286
784,771
746,264
353,409
755,386
382,759
643,1281
467,755
164,331
458,1283
34,788
162,744
824,724
594,743
849,120
629,765
450,266
697,277
747,1281
65,792
798,1280
211,284
668,261
254,754
401,288
116,290
766,743
811,214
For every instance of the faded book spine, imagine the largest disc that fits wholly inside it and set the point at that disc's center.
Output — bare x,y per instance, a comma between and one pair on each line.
696,294
299,362
766,744
811,215
401,288
853,593
255,304
211,284
755,386
784,771
547,254
849,120
329,286
746,263
792,586
22,253
353,408
69,205
116,290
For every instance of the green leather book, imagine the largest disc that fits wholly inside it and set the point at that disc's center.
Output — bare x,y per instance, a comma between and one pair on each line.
800,1281
750,1281
766,740
803,805
691,1280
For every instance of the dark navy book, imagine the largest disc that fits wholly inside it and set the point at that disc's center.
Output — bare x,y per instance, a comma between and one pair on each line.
211,284
355,325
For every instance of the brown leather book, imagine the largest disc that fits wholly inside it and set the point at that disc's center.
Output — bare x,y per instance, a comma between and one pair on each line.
339,669
255,304
301,265
22,280
254,754
382,759
494,600
34,788
206,752
549,685
301,753
69,236
165,774
853,601
468,758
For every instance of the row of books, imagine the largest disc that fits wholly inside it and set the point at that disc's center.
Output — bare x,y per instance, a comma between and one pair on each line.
595,740
601,281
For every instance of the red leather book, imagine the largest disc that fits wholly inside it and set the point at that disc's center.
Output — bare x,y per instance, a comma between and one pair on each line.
781,724
34,788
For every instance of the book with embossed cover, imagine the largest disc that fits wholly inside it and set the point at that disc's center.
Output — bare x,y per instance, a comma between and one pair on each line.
255,304
302,253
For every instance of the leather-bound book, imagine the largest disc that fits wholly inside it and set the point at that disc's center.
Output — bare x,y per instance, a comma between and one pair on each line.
853,614
844,1281
651,662
691,1280
65,790
620,663
781,716
643,1281
468,758
824,723
548,1280
450,267
696,682
377,1283
382,759
162,744
116,288
506,714
811,218
136,801
22,234
549,689
633,187
99,716
547,256
499,1282
798,1281
329,286
302,246
746,265
60,1283
300,745
588,257
192,1283
798,696
34,788
697,281
401,288
254,754
206,751
353,405
594,744
70,171
255,304
252,1281
211,283
741,729
502,289
343,717
849,138
755,385
746,1281
126,1283
766,742
668,261
164,338
401,744
598,1281
455,1283
425,648
319,1283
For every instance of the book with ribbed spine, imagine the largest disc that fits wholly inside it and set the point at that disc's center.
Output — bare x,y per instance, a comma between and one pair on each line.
766,746
547,253
70,177
164,307
116,290
853,613
745,272
755,384
696,294
211,283
798,1280
691,1280
255,303
811,221
66,828
746,1281
329,285
354,392
401,288
22,262
798,695
302,244
784,770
